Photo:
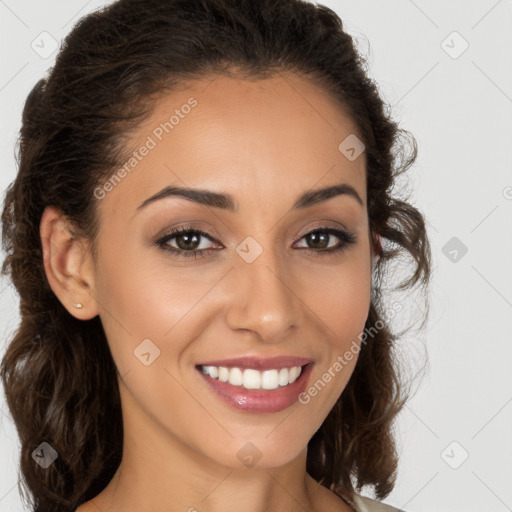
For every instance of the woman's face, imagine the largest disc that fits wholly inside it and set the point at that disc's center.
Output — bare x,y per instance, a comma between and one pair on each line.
255,285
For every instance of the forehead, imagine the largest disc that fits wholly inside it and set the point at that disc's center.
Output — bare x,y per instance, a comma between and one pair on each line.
280,135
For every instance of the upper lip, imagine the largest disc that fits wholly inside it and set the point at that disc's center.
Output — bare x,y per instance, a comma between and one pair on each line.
259,363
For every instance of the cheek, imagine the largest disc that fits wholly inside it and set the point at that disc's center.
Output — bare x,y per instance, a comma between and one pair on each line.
340,301
348,320
343,304
340,297
142,298
134,304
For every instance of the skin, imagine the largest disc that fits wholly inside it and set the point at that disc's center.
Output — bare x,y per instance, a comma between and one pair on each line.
265,143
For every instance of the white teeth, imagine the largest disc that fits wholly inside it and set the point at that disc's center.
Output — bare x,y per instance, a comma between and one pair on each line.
294,374
223,373
254,379
235,376
269,379
283,377
213,371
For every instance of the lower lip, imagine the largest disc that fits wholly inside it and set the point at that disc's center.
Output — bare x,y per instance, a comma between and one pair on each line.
259,400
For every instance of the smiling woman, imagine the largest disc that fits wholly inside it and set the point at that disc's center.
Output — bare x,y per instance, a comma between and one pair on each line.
202,326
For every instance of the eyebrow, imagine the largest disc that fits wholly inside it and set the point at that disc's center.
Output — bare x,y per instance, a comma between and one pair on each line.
226,201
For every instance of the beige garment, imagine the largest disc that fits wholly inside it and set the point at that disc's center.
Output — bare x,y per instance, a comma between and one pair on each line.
363,504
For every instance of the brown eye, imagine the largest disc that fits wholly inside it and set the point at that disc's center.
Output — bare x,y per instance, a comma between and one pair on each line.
188,241
318,240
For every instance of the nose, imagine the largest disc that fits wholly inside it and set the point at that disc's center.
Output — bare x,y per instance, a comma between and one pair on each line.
263,298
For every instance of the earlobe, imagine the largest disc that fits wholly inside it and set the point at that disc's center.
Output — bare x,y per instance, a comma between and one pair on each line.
68,265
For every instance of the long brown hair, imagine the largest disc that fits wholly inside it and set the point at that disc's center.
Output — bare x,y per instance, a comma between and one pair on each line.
58,373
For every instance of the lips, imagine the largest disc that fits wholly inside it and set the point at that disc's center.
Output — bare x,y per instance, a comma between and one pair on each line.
273,398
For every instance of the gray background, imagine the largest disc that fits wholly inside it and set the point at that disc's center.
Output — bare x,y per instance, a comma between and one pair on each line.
455,434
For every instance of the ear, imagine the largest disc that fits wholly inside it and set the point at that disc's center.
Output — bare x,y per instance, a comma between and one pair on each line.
376,248
68,265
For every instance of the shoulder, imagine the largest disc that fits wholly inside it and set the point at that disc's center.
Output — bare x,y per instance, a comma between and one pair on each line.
364,504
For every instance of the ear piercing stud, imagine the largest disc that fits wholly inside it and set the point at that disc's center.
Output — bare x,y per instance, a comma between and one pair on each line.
78,305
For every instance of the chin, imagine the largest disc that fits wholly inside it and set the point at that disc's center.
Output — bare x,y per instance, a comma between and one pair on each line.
260,453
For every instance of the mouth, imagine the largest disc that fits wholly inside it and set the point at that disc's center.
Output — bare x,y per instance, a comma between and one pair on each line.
256,390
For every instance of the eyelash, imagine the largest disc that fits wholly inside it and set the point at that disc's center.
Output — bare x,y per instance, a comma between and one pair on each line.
346,238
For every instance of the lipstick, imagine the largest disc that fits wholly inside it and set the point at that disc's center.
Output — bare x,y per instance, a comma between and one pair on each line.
274,384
